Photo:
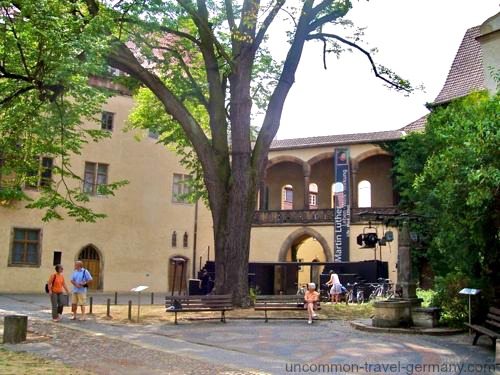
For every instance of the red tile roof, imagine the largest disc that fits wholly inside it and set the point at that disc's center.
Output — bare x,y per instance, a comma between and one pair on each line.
417,125
466,72
340,139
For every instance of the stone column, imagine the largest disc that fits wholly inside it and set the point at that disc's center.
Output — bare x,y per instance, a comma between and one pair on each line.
405,283
262,195
354,187
307,181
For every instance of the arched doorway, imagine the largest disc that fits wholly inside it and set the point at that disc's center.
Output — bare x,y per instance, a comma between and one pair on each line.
304,245
178,269
91,259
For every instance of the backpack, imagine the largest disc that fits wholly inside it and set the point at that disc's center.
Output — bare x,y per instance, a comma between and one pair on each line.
47,284
86,285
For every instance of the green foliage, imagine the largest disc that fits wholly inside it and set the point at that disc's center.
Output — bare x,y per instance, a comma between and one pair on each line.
426,296
253,293
454,307
450,176
48,51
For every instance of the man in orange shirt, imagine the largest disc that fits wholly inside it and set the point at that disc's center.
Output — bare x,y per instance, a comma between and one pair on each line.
56,284
310,299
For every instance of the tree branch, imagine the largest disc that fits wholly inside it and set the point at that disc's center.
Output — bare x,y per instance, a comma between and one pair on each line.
230,15
330,17
324,36
16,94
202,25
122,58
272,118
164,29
320,7
267,22
199,93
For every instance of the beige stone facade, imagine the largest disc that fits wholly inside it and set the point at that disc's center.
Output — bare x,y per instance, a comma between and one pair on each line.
133,245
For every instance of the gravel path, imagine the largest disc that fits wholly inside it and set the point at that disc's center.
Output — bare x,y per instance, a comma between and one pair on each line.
102,355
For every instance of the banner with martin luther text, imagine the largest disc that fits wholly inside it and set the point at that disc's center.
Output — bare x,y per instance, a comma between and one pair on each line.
342,213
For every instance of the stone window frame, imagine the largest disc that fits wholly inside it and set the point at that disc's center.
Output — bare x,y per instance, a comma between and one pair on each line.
11,247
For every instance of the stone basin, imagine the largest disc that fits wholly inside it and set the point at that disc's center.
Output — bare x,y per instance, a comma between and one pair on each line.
392,313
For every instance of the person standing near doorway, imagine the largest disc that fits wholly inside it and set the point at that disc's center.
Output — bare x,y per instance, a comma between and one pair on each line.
79,279
56,284
336,287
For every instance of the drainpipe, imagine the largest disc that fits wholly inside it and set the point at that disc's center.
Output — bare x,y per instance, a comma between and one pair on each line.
195,236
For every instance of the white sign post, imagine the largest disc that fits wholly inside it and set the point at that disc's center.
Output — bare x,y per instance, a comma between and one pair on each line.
138,290
469,292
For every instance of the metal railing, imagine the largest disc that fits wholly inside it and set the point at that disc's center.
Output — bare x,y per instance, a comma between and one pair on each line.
322,215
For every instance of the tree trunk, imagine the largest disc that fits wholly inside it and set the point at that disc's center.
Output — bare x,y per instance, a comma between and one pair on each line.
232,227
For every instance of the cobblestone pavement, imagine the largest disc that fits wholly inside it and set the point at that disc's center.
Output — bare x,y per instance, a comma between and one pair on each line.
102,355
277,347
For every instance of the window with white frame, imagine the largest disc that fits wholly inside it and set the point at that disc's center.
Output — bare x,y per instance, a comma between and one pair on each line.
96,175
313,196
181,188
41,174
364,194
287,197
107,121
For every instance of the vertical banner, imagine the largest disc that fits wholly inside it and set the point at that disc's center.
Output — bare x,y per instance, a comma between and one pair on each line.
341,205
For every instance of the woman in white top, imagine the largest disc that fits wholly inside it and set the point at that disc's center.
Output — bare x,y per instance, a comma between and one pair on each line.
336,287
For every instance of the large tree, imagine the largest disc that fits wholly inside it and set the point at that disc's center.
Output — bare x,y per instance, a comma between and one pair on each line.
202,64
449,176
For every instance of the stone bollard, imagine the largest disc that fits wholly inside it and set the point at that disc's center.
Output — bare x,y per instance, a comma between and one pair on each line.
108,309
15,328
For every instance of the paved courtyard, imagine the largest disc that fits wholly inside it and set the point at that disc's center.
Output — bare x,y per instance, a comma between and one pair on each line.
241,347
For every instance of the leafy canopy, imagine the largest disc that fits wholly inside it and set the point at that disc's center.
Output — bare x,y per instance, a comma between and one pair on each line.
450,175
192,52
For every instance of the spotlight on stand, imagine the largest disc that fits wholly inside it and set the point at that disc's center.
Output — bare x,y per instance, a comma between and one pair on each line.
387,237
367,240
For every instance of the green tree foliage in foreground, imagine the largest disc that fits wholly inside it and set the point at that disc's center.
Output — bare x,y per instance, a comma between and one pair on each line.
450,175
203,69
48,50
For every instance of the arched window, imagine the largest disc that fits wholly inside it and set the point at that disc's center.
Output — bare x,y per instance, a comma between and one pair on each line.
364,194
185,240
287,197
313,196
174,239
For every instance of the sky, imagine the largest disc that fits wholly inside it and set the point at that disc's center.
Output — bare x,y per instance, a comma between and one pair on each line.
418,39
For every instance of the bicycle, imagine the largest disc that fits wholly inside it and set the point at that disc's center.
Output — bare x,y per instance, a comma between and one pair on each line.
380,289
355,293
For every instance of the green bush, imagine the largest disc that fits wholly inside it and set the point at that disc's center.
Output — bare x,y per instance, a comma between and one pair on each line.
427,296
454,307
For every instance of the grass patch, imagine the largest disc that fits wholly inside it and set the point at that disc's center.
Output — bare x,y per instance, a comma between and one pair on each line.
20,363
156,313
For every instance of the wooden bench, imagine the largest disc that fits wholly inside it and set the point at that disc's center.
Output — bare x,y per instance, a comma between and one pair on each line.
220,303
490,328
280,303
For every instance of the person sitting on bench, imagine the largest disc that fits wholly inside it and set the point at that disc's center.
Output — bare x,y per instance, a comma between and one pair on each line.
310,299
